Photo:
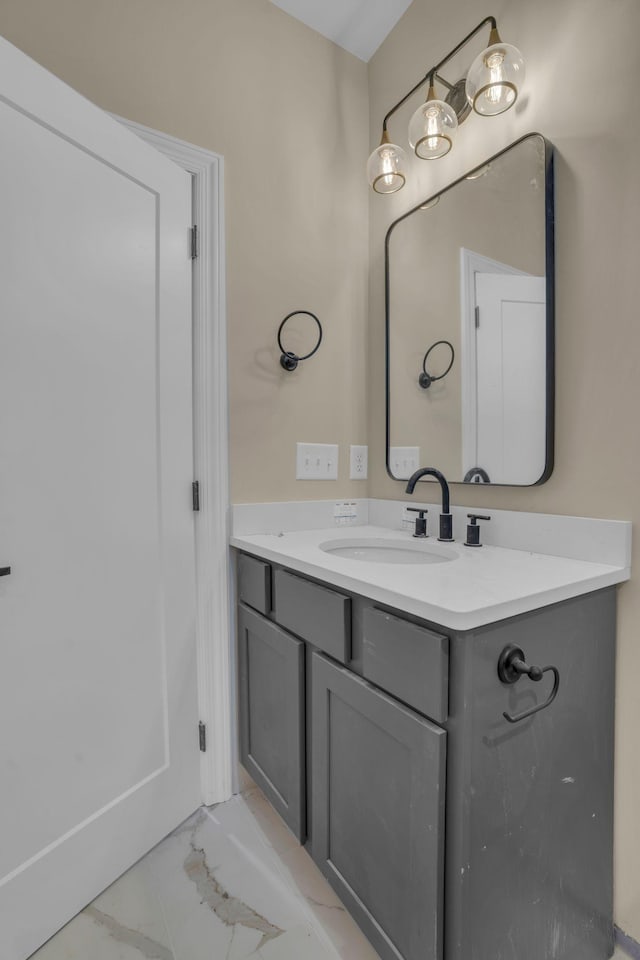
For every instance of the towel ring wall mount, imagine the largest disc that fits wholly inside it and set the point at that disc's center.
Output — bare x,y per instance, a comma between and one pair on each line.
426,379
289,360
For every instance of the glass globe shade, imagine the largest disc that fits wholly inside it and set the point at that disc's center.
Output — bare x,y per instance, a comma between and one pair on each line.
432,128
386,168
494,79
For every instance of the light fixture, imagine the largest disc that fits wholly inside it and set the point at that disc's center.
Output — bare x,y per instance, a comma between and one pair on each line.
495,77
432,127
386,166
490,87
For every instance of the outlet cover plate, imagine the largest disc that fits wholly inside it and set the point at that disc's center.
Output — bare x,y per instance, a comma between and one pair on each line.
358,462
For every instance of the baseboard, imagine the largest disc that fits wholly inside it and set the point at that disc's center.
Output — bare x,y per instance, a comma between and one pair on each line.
627,943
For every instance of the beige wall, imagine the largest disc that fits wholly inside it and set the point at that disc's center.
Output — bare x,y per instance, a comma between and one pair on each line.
583,68
241,78
288,111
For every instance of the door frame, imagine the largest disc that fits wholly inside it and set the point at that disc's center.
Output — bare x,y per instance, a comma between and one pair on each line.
211,457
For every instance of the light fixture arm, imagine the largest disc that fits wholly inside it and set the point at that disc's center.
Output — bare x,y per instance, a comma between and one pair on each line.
431,94
432,72
445,83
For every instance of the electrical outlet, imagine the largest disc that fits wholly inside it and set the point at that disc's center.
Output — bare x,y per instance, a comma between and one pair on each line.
358,463
403,461
316,461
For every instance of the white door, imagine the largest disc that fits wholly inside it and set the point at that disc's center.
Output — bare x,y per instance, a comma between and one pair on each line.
98,702
511,377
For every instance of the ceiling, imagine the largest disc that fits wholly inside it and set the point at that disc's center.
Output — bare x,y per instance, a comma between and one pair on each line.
359,26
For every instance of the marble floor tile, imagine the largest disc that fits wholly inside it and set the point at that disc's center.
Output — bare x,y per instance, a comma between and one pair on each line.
218,888
231,883
274,830
126,922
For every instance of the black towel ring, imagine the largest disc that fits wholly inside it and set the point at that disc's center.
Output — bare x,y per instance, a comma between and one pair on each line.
288,360
425,379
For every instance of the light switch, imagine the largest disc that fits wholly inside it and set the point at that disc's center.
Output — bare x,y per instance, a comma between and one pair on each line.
316,461
403,461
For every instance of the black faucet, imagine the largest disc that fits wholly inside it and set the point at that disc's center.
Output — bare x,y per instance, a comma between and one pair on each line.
446,520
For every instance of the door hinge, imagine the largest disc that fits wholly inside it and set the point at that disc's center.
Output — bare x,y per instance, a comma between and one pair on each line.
477,317
202,737
193,242
195,491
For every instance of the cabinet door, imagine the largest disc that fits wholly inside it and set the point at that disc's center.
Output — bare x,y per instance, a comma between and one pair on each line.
378,789
272,714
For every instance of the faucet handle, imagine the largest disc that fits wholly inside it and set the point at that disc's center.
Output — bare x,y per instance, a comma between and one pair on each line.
421,521
473,530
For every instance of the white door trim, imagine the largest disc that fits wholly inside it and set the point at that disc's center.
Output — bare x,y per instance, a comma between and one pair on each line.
211,445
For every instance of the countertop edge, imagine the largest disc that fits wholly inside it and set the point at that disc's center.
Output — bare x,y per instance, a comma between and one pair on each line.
463,621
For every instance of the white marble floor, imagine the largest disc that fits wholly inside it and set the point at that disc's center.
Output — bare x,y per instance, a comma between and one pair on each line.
230,884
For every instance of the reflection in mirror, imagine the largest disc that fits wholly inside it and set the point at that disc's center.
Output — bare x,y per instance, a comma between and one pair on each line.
474,268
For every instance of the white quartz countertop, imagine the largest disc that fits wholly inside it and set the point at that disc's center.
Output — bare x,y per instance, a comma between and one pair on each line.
478,587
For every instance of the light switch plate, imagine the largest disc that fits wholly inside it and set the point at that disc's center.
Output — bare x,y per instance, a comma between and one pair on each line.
316,461
403,461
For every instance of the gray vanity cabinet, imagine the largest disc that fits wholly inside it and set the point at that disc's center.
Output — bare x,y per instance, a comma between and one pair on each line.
530,804
378,776
460,813
272,725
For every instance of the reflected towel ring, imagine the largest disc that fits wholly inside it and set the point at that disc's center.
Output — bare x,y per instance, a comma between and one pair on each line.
476,475
288,360
425,379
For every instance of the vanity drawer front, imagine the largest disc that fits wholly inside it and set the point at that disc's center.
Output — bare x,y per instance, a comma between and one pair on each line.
317,614
409,661
254,583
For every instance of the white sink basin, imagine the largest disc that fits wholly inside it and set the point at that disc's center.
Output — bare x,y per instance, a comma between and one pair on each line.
389,551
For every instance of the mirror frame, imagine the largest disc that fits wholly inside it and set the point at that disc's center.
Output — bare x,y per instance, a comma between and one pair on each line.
550,308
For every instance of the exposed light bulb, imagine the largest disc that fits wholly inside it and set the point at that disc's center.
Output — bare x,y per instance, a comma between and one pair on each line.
386,167
388,158
496,91
432,128
432,116
495,78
